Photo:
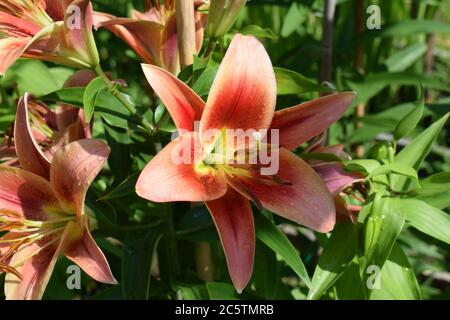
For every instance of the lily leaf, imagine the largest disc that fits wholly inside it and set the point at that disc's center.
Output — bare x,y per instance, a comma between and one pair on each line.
291,82
408,123
414,153
90,96
397,279
381,230
428,219
268,233
335,258
259,32
137,262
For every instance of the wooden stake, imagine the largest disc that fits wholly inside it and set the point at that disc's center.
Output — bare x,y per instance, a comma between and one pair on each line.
186,31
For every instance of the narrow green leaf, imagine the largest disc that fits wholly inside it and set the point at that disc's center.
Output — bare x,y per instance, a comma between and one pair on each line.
90,96
259,32
414,153
396,168
436,183
124,188
221,291
291,82
268,233
406,57
428,219
410,121
335,258
381,229
137,261
397,279
350,285
437,200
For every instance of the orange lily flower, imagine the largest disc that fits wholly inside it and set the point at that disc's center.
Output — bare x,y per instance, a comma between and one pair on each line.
153,34
41,132
51,30
243,96
42,204
46,218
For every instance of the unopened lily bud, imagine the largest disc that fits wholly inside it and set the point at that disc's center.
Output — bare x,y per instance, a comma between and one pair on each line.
222,15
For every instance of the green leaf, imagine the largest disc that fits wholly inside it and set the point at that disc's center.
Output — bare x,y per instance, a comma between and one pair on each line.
335,258
397,279
350,285
374,83
406,57
137,261
197,218
291,82
93,89
363,165
259,32
396,168
408,123
437,200
406,28
204,81
194,292
265,276
425,218
415,152
436,183
124,188
108,107
221,291
268,233
34,77
381,229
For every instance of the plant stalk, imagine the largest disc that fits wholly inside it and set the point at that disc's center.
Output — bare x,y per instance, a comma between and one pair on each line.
127,104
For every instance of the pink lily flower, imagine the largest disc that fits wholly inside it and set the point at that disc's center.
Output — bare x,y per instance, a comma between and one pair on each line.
153,34
337,179
40,131
50,30
42,208
47,217
243,96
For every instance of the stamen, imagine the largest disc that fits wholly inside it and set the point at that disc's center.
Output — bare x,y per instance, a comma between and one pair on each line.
236,184
8,269
10,213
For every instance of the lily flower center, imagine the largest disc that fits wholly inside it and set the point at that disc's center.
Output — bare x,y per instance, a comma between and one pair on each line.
24,232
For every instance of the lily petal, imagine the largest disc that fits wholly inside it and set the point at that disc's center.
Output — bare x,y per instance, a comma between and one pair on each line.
35,262
80,37
233,217
30,155
300,123
56,8
303,197
170,57
172,176
13,26
73,169
25,193
10,50
243,94
183,104
335,177
144,37
88,256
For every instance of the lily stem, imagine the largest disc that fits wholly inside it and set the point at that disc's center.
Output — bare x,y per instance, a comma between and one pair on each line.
122,99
